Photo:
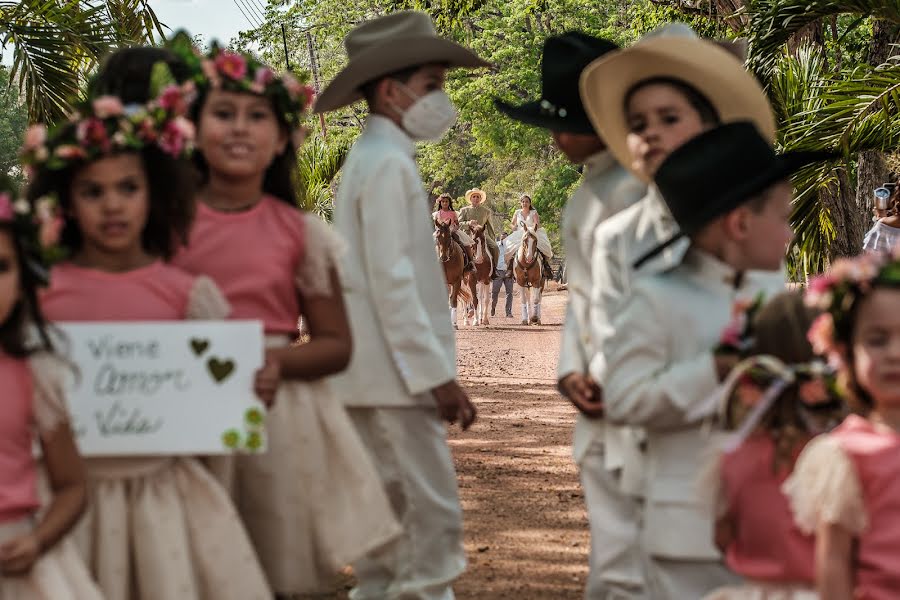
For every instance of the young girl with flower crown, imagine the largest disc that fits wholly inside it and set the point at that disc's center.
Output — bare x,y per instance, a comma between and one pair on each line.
37,562
301,500
846,486
773,403
159,527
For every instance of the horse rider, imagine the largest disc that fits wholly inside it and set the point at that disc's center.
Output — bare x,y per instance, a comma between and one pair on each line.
445,214
479,214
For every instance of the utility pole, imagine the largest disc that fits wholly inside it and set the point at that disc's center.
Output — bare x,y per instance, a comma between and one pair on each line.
314,67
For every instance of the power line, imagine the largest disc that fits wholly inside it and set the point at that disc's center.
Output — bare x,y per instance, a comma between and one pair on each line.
241,7
259,8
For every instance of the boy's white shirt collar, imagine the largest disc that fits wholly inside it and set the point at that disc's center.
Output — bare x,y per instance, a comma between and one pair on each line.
380,125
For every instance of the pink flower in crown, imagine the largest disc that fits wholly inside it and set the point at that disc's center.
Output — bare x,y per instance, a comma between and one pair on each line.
147,130
210,72
35,137
69,151
172,99
294,88
7,212
92,132
176,136
108,106
231,65
731,335
821,334
264,76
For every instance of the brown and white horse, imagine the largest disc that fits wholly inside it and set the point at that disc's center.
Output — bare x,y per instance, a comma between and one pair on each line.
529,277
484,268
451,256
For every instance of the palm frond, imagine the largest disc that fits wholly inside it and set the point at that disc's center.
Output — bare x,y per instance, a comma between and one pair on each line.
134,22
773,22
53,42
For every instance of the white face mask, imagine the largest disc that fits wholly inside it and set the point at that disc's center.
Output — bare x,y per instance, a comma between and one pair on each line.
429,117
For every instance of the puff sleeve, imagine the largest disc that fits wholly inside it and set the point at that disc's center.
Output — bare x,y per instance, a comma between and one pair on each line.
206,301
324,249
50,374
825,487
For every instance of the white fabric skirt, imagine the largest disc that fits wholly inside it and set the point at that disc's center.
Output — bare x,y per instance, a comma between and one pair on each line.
758,590
514,240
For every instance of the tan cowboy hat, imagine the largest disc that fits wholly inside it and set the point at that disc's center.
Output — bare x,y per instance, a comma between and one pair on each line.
388,44
715,72
475,191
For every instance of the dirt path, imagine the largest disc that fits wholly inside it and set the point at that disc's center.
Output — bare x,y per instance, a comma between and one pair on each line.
526,528
526,531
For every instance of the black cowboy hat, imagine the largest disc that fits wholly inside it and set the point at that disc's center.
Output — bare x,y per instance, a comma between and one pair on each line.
560,108
718,171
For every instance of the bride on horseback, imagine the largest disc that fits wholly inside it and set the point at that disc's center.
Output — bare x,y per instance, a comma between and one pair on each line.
527,216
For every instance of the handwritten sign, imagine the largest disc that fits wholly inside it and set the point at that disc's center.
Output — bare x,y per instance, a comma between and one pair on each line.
182,387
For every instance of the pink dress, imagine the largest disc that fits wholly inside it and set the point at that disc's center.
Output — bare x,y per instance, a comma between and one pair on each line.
158,527
775,557
851,477
301,501
31,408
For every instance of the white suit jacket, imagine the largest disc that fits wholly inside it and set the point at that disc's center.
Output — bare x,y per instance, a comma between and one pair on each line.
660,365
403,341
618,242
605,190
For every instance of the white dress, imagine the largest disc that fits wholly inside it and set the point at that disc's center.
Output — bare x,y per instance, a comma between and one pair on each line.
514,240
881,238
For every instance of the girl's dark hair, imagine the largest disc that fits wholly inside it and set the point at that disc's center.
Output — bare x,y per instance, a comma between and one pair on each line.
708,113
171,193
447,197
780,329
279,180
16,332
126,73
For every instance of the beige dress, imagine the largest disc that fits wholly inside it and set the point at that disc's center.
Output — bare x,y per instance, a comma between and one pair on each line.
162,527
313,503
59,573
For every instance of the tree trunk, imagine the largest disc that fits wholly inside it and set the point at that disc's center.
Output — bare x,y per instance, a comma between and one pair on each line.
873,170
849,222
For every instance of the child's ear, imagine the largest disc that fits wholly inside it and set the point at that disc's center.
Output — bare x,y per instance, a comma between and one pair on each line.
737,223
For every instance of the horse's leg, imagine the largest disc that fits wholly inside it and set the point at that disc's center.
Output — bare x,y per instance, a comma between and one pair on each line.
484,301
473,311
523,292
537,292
454,293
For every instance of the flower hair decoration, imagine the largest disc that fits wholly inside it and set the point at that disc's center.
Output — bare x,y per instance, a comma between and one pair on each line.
220,68
738,335
37,227
103,125
837,290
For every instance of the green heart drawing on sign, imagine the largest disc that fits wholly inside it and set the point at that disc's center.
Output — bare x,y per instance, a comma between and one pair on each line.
199,346
220,369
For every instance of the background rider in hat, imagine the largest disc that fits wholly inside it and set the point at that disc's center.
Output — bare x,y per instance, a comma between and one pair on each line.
402,376
477,213
606,189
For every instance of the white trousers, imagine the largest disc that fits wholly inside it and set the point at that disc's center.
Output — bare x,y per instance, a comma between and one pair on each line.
669,579
616,571
410,451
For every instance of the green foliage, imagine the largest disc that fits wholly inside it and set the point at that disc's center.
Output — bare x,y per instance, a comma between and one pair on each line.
317,166
13,121
55,42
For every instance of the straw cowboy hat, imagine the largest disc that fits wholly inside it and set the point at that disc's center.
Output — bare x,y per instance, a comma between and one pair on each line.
388,44
559,107
726,166
475,191
704,65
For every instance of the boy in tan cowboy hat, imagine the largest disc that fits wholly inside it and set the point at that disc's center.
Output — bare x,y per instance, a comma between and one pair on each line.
402,376
479,214
606,189
647,101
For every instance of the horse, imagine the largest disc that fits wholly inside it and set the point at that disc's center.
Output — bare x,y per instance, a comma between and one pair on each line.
451,256
529,276
484,268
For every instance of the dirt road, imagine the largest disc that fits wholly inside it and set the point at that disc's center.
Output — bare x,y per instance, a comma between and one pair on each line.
526,528
526,531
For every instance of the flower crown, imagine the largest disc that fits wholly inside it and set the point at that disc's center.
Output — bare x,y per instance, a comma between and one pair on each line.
738,335
103,125
220,68
38,227
836,291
